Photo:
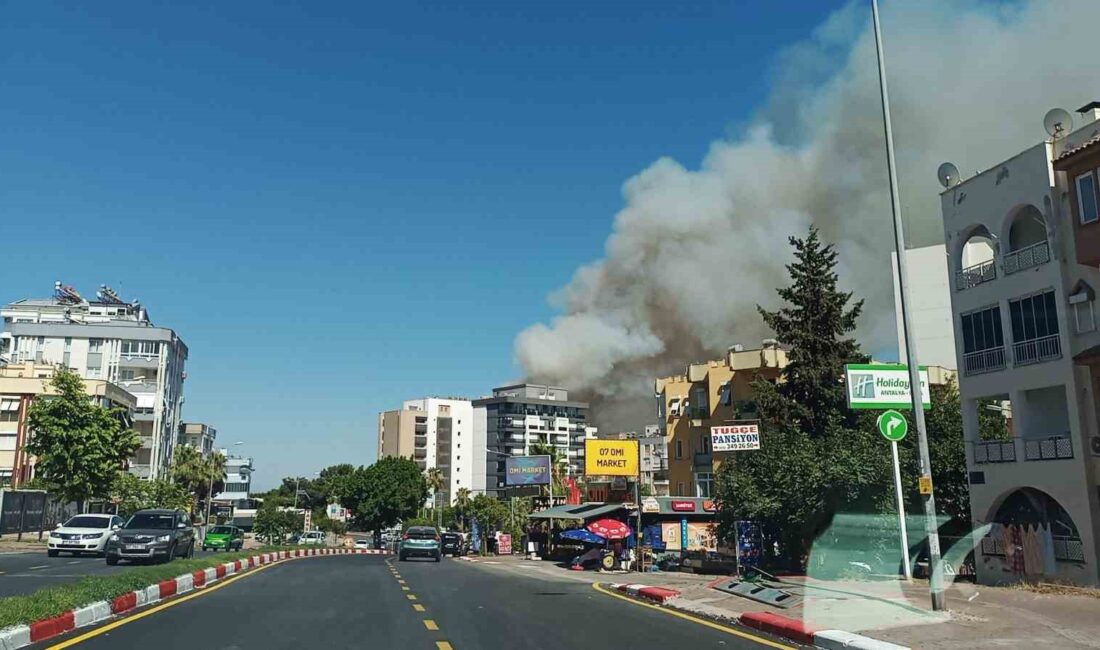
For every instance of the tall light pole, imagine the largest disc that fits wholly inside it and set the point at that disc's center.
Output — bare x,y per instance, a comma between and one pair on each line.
930,523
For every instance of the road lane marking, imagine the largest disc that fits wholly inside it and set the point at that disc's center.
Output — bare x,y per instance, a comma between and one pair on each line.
75,562
44,566
693,619
400,582
171,603
418,607
410,596
430,624
404,588
443,645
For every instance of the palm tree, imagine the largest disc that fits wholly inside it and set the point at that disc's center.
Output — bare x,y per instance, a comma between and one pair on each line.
557,463
462,502
436,483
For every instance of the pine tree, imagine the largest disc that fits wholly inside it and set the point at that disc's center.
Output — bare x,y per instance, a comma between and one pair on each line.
814,324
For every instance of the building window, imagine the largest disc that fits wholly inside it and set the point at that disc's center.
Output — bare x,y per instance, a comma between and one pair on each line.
725,394
95,345
680,489
704,484
982,330
699,400
1082,300
679,449
1086,198
1033,317
9,410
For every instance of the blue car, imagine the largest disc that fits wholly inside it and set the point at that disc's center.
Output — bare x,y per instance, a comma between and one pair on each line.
420,541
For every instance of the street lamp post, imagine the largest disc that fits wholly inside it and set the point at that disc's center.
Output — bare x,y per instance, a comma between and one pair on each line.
931,526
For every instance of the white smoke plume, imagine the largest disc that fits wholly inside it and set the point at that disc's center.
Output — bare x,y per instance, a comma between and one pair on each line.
693,251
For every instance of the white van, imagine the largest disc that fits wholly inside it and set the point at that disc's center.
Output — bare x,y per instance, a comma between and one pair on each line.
312,537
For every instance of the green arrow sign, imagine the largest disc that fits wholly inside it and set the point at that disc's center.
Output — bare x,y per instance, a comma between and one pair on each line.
893,426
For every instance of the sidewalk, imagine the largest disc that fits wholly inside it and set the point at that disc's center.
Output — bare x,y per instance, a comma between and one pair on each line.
894,611
30,542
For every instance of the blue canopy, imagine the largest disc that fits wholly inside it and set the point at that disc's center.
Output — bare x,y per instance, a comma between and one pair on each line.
582,535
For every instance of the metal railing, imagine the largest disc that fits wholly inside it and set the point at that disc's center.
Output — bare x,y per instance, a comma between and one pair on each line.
974,275
1037,350
994,451
983,361
1052,448
1068,549
1027,257
703,460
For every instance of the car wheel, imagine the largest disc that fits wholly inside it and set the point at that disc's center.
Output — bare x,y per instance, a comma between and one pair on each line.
51,552
112,560
400,557
171,554
191,551
438,557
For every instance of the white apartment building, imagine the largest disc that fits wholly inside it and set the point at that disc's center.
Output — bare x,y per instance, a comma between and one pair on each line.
929,306
449,442
1022,316
113,340
516,417
238,478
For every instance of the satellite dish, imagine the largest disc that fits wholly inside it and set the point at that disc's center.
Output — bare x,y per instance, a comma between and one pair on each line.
948,174
1057,123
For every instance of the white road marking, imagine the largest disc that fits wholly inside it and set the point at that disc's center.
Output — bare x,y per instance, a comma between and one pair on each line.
43,566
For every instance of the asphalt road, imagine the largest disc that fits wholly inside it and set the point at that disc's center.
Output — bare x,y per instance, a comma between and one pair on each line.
24,573
358,602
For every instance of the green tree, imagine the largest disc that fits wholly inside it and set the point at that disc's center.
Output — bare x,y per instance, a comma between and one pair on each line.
462,507
817,457
80,445
132,494
434,478
391,490
489,513
331,479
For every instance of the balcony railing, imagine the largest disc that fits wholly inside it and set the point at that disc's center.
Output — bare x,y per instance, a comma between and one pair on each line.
983,361
698,413
1027,257
1052,448
703,460
994,451
974,275
1037,350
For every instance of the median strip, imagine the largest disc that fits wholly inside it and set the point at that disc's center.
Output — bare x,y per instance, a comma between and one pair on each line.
57,610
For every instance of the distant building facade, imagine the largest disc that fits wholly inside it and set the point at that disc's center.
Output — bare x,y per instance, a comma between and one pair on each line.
238,478
199,436
437,432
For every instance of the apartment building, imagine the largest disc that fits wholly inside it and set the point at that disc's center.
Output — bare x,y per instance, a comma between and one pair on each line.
516,417
709,394
20,384
653,452
446,440
1020,240
198,435
111,340
238,478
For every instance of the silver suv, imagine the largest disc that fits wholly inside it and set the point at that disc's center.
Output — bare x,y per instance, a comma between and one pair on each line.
155,535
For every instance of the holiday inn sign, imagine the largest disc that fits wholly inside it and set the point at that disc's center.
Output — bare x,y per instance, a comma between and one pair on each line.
883,386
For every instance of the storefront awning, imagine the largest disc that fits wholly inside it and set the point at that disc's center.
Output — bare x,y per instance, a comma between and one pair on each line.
581,512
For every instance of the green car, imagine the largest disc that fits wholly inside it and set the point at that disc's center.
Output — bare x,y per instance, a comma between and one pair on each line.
223,538
420,541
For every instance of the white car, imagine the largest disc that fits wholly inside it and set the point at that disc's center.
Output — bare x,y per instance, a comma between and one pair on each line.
312,537
363,542
83,534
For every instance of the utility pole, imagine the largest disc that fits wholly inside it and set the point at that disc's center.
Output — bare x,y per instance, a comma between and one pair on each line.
930,522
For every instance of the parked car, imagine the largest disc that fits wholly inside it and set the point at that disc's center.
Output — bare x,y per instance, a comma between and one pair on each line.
83,534
153,535
311,537
420,541
223,538
363,542
453,544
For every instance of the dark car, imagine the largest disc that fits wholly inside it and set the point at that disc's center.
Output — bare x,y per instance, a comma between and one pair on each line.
153,535
453,544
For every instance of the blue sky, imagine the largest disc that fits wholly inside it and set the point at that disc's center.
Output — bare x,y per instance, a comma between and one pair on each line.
342,206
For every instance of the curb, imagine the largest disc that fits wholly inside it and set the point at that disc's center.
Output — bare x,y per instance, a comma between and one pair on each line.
809,635
656,594
24,635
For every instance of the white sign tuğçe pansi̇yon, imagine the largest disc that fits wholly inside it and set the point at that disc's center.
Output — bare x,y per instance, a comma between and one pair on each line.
735,437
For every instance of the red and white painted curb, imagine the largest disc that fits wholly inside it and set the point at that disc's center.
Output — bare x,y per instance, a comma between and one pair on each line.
24,635
656,594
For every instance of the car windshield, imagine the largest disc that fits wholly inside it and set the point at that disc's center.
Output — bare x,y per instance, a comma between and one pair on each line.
88,522
147,520
221,530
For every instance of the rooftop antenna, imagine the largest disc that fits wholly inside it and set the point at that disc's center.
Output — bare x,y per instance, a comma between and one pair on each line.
1057,123
948,174
66,295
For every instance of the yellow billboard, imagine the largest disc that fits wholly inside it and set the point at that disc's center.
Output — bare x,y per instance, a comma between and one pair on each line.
611,457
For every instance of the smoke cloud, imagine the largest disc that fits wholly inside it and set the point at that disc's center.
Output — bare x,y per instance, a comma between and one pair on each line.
693,251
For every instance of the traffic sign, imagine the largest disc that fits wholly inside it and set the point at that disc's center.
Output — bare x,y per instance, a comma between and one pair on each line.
893,426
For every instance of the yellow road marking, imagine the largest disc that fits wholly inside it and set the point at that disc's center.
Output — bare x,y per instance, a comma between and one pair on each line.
430,624
418,607
443,645
172,603
404,588
410,596
400,582
693,619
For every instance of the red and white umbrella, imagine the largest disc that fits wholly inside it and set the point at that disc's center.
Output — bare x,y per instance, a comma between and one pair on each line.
610,528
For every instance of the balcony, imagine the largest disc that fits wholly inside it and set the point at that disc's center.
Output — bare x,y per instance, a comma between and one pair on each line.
994,451
974,275
983,361
420,453
703,460
1026,257
1037,350
1052,448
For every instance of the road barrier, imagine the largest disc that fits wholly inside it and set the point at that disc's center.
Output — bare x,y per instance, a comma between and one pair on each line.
24,635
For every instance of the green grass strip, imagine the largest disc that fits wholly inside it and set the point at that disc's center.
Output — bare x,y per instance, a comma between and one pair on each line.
53,601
